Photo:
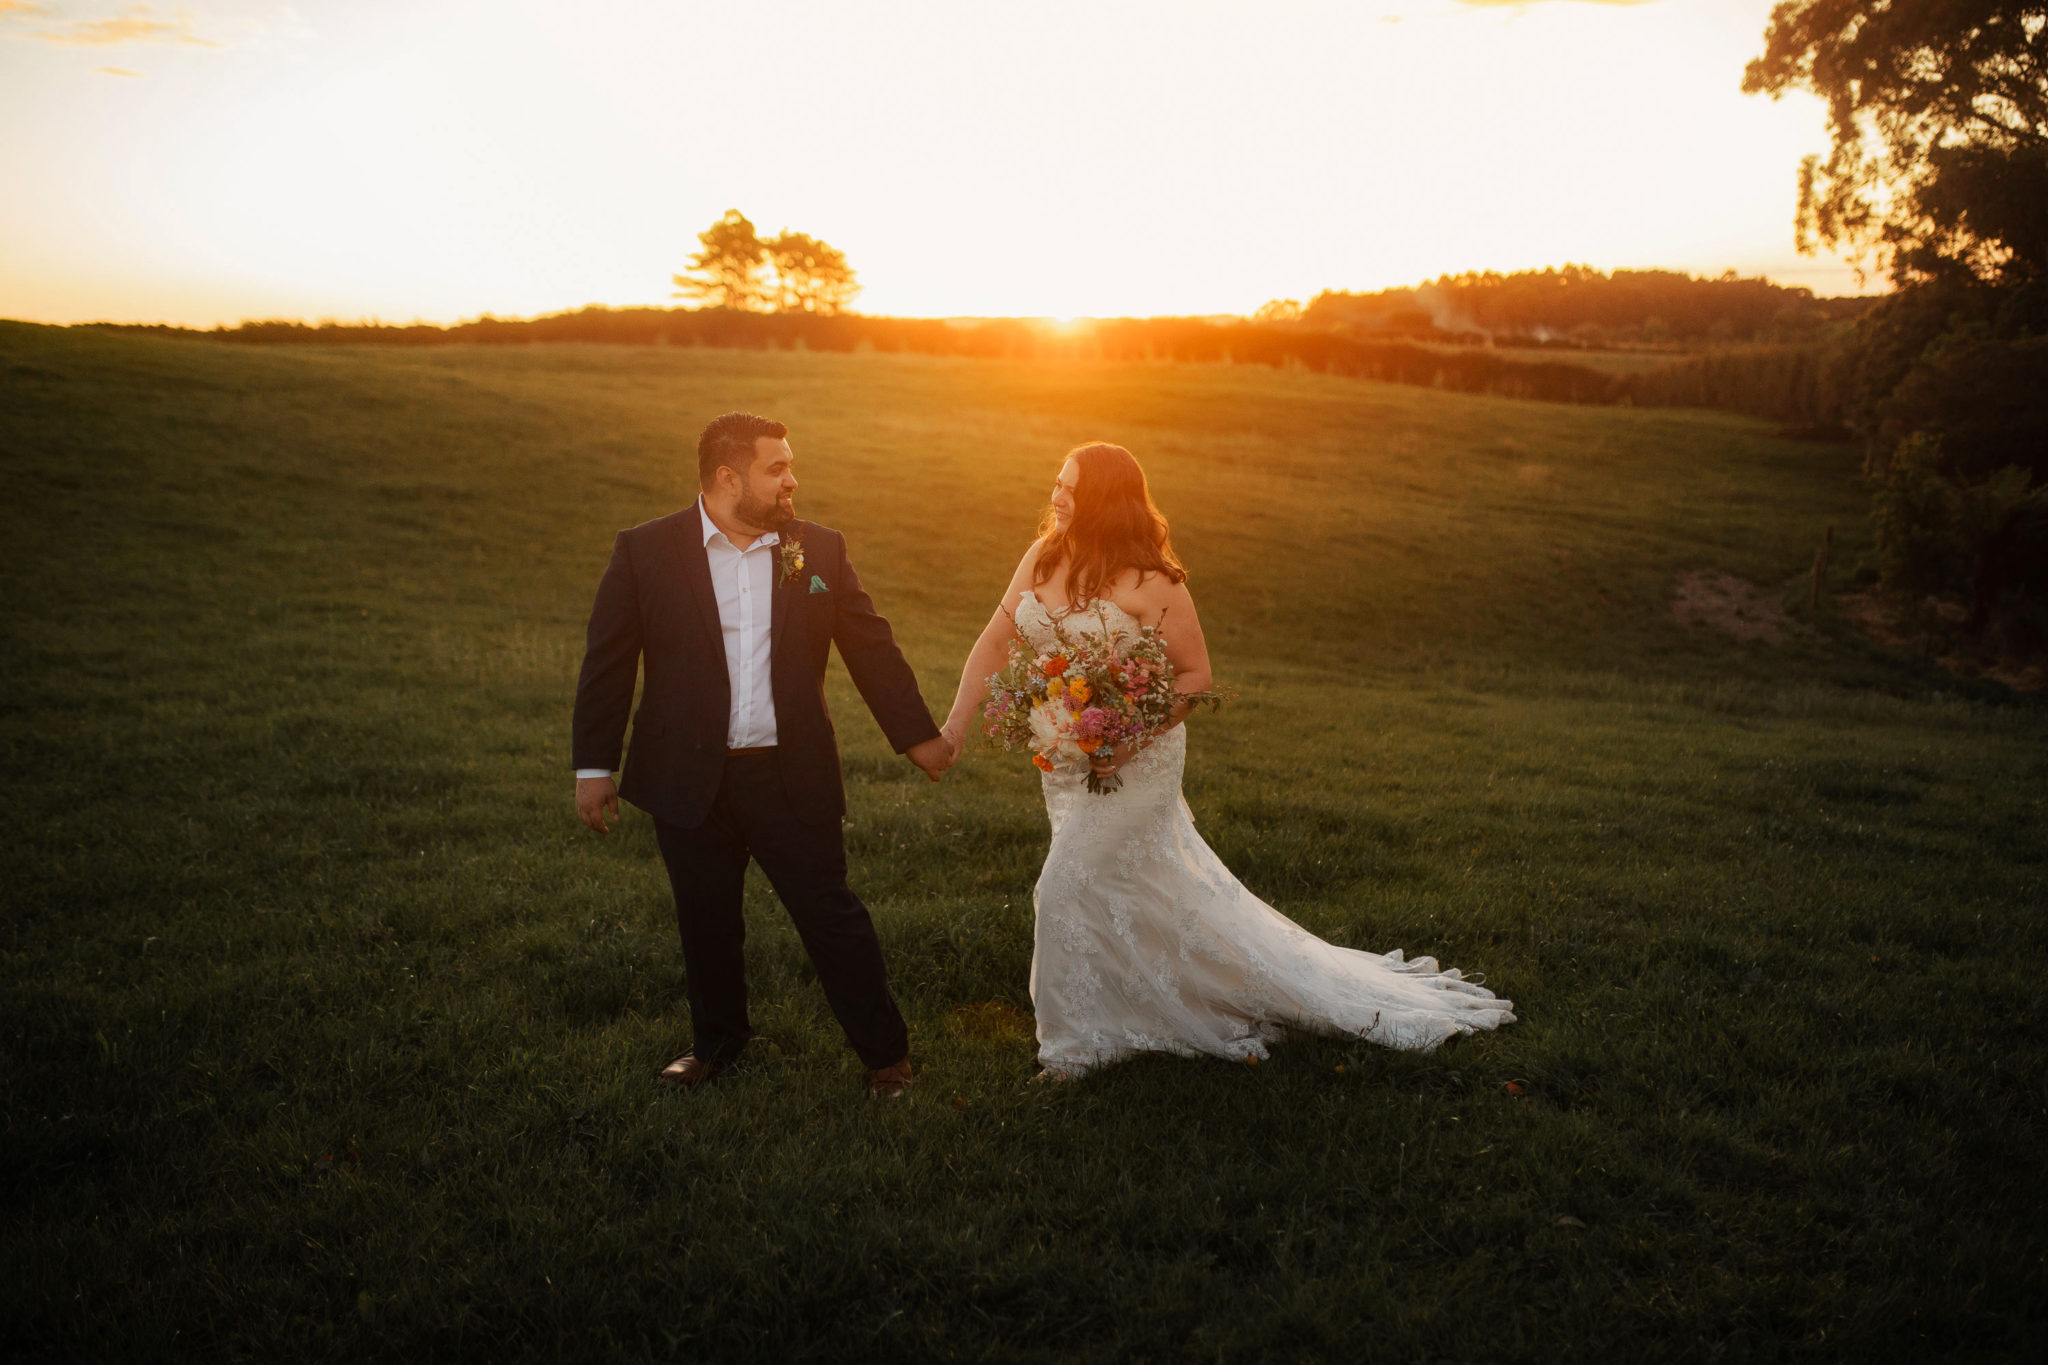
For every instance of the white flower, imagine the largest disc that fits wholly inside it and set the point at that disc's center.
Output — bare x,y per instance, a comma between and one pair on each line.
1052,730
1045,726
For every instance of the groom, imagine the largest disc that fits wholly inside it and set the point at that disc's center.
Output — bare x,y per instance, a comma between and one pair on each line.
732,604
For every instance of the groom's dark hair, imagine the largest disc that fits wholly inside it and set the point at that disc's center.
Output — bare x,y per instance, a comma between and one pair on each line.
729,441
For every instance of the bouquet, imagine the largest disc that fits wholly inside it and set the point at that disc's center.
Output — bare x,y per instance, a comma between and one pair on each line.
1092,691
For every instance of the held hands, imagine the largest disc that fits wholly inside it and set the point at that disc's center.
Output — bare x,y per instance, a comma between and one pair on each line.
595,796
935,755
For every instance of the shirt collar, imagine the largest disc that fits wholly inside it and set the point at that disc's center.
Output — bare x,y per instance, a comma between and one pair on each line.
711,531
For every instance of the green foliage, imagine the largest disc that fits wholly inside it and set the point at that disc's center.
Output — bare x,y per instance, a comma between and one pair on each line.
1886,344
810,276
1985,397
1989,505
791,272
1951,389
1579,306
1939,114
727,271
1806,386
1918,517
327,1034
1939,168
1933,530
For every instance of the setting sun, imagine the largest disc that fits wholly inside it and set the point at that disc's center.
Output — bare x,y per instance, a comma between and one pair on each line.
440,160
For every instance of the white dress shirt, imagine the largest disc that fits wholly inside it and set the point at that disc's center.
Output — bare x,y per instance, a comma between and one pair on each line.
743,581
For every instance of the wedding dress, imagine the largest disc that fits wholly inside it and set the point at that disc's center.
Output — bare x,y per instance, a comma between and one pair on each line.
1146,943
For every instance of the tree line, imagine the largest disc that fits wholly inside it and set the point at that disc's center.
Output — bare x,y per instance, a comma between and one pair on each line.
1117,340
1576,306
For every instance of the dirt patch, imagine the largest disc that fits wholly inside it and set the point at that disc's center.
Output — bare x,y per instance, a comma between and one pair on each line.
1732,605
1876,618
1891,622
991,1021
2020,678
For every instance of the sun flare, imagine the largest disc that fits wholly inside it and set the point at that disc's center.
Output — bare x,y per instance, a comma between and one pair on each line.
1070,160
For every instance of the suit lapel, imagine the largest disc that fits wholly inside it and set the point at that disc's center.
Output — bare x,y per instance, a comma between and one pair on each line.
697,575
779,599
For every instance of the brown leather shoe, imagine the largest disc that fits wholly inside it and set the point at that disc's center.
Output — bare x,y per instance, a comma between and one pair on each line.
689,1072
889,1082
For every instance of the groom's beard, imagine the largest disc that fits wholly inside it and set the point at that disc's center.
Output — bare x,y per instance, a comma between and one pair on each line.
770,514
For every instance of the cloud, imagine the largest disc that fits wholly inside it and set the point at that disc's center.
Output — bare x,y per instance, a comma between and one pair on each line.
1504,4
117,71
134,24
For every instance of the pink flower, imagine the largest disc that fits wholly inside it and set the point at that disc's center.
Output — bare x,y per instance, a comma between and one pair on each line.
1094,723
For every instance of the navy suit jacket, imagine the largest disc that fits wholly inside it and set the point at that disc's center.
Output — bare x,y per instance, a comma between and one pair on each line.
655,606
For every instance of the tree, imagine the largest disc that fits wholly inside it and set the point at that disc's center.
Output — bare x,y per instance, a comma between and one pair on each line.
1938,168
727,272
810,276
1938,113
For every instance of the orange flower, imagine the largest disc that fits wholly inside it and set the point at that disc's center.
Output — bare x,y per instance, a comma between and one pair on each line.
1079,690
1089,746
1056,665
1043,763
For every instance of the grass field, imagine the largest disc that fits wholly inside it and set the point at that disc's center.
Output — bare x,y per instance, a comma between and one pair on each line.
330,1035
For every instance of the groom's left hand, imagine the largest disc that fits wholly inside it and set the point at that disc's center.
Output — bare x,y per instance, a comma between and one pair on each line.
935,755
594,797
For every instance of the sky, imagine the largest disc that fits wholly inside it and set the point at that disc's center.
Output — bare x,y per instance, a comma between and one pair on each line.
439,159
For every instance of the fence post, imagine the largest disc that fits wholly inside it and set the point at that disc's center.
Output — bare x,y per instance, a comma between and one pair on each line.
1820,566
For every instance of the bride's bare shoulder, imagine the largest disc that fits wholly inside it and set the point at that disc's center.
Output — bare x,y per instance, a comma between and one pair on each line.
1147,598
1027,567
1020,581
1149,594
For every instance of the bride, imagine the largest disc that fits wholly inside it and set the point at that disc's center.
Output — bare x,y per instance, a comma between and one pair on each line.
1144,941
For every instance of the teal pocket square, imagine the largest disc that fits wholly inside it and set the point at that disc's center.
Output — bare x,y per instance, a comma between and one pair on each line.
818,584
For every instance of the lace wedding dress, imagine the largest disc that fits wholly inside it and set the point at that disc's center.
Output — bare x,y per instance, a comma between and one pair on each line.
1146,943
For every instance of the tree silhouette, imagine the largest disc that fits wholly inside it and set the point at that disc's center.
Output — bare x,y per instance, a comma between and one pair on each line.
727,273
734,271
1939,124
810,276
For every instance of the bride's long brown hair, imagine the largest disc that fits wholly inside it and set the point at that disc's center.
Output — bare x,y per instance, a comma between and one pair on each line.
1114,527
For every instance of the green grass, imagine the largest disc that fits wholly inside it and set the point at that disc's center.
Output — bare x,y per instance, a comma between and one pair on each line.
328,1034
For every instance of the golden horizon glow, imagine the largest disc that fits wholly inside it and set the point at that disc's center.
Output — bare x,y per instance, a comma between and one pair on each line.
440,159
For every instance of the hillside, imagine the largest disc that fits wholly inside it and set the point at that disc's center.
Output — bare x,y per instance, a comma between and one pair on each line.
330,1035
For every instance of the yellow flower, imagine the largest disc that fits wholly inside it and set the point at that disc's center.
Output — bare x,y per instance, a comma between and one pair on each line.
1055,686
1079,691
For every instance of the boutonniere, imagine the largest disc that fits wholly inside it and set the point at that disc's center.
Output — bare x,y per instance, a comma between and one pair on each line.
792,552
